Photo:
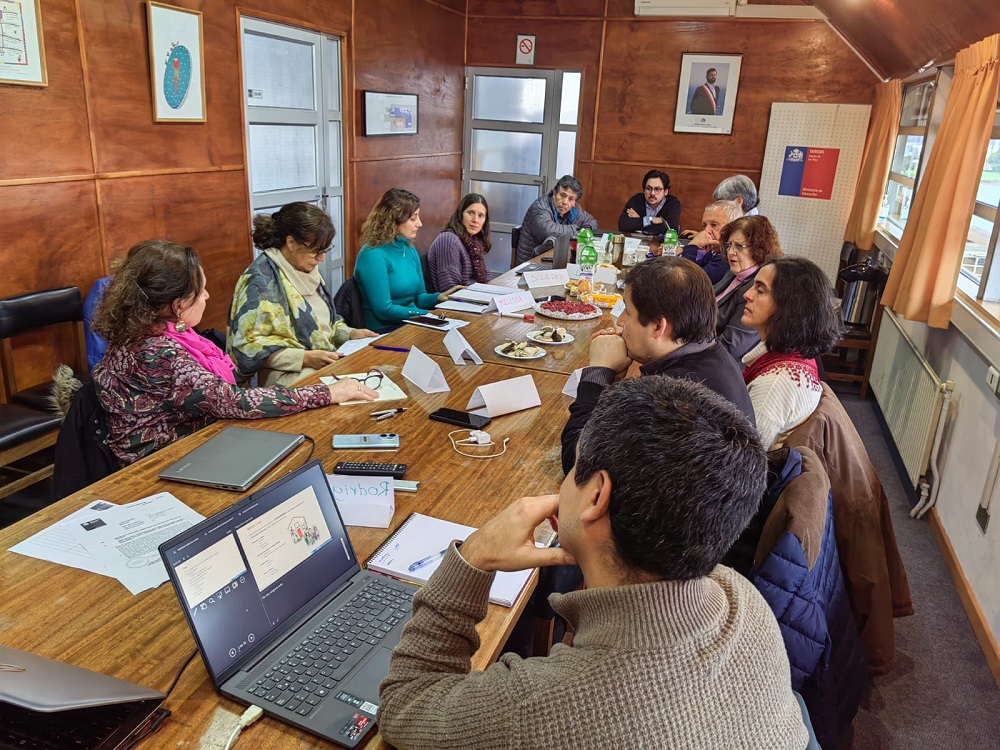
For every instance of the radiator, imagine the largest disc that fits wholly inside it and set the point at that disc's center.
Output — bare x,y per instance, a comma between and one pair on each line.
912,397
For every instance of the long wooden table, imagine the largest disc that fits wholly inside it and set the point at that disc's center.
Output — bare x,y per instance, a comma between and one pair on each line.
93,622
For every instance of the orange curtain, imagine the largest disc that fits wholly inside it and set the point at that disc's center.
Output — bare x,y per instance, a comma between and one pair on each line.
879,144
925,271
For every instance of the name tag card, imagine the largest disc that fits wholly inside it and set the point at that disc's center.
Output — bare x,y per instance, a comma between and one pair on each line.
424,372
505,397
605,275
511,302
617,310
459,348
364,501
548,277
573,269
632,243
572,383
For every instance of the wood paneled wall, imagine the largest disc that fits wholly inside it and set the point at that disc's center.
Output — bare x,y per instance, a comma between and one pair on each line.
630,72
85,173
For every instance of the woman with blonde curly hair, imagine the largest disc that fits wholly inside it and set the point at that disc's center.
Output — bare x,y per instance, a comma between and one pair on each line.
160,380
388,269
282,321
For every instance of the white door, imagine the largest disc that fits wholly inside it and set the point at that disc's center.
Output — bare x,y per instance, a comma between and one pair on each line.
520,137
294,122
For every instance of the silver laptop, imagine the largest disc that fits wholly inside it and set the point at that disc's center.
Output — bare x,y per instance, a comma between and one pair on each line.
234,459
45,703
283,615
560,257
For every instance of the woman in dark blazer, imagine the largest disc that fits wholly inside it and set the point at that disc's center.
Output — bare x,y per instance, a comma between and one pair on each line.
748,242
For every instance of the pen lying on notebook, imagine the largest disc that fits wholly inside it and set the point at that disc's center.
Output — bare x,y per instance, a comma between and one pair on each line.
426,561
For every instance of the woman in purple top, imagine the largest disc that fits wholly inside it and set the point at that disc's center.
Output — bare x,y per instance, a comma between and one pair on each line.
159,380
457,255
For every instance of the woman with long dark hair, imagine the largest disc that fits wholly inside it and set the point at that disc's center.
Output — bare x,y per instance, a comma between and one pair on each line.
458,254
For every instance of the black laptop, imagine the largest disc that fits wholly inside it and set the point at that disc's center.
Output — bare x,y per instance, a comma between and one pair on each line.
283,614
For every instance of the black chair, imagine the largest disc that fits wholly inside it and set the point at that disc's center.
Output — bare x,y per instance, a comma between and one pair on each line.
27,423
515,238
82,453
348,304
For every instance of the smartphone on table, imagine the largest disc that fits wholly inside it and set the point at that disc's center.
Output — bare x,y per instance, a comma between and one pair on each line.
460,418
387,441
431,321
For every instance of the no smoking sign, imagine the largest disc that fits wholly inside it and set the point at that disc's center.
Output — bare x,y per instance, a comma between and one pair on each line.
525,50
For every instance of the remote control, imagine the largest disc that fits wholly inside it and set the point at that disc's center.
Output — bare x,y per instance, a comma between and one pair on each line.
369,469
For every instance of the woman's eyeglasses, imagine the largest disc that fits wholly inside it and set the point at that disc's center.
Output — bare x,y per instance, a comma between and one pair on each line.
317,253
738,247
373,379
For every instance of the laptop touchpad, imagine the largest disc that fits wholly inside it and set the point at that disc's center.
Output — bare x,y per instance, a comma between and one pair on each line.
364,683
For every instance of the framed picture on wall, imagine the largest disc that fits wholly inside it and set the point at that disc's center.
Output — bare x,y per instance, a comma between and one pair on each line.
390,114
176,63
22,51
706,93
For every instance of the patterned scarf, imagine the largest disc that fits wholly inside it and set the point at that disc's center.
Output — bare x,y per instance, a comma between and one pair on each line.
798,365
477,254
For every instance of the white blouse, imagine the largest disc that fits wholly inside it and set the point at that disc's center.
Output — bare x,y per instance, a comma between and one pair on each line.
783,397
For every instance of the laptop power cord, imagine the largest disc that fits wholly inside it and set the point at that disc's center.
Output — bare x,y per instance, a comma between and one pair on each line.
249,717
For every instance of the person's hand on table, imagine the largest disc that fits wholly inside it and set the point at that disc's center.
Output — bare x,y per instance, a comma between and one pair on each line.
687,234
609,351
363,333
317,359
448,292
349,389
507,541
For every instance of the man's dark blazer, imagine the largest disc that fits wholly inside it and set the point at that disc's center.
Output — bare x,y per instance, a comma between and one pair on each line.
700,102
670,212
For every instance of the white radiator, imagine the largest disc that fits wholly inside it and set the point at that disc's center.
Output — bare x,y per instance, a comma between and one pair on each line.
912,397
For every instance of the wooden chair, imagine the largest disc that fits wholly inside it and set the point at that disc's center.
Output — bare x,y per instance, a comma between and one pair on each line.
27,423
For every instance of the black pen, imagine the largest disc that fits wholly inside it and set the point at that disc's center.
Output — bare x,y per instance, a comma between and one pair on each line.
390,348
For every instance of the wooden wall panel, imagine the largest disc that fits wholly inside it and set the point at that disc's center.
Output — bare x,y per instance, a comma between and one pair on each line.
431,178
455,5
45,129
538,8
206,211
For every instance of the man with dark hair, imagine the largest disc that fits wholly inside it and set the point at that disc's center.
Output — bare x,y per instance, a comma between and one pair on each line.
654,210
554,215
670,647
705,100
668,327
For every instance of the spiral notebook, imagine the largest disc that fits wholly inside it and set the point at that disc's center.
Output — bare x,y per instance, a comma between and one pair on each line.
415,550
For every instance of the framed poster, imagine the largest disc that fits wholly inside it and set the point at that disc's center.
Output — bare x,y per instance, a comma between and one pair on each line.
22,51
706,93
390,114
176,63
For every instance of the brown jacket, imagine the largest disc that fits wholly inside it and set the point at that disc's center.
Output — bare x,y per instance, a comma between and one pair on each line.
873,569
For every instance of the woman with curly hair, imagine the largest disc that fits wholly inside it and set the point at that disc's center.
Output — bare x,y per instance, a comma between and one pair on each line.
282,322
791,306
160,380
458,254
748,243
388,269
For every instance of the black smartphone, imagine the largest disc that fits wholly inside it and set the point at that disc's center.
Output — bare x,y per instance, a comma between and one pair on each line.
460,418
429,320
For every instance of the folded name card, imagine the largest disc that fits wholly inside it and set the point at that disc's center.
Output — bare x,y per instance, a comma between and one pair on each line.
572,383
617,310
605,275
511,302
424,372
459,348
505,397
364,501
548,277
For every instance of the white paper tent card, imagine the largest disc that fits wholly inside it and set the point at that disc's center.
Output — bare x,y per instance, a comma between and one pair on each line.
459,348
505,397
572,383
548,277
424,372
617,310
511,302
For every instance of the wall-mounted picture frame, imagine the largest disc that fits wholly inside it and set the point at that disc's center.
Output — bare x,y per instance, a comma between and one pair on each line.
706,93
390,114
176,63
22,53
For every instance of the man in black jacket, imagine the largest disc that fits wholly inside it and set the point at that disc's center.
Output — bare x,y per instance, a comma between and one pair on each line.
654,210
668,327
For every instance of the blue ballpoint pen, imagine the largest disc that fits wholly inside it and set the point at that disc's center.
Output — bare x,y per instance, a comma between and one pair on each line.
426,561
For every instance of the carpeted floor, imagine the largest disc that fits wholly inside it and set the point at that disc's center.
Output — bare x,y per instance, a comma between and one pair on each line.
942,695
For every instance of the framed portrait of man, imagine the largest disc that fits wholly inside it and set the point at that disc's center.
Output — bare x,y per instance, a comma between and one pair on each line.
706,93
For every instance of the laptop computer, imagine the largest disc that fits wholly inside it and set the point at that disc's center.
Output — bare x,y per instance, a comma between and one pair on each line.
232,460
283,614
560,257
46,703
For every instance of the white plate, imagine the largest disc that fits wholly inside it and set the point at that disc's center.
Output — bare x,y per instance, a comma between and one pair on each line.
562,316
536,337
538,355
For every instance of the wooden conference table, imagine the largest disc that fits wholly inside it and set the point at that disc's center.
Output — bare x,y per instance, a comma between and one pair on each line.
93,622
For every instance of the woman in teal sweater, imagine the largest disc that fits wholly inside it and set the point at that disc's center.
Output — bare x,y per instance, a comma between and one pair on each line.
388,269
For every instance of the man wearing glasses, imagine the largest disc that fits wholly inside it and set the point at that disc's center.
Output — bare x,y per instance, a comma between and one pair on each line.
654,210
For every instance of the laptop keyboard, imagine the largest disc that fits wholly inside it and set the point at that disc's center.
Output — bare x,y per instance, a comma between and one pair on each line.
310,671
77,729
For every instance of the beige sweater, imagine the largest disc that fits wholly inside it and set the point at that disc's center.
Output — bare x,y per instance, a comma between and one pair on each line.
685,665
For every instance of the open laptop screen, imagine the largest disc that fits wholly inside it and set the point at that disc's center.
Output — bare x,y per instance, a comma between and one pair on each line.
245,573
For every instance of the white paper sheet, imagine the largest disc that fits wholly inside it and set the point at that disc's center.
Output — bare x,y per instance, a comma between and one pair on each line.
459,306
387,390
424,372
460,349
58,544
505,397
352,345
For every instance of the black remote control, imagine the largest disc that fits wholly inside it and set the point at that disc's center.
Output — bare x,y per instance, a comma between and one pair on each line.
368,469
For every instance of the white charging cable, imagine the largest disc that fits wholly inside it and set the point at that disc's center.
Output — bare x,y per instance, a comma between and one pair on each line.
477,438
249,717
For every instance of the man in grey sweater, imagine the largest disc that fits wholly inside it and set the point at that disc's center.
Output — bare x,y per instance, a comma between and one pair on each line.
671,650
